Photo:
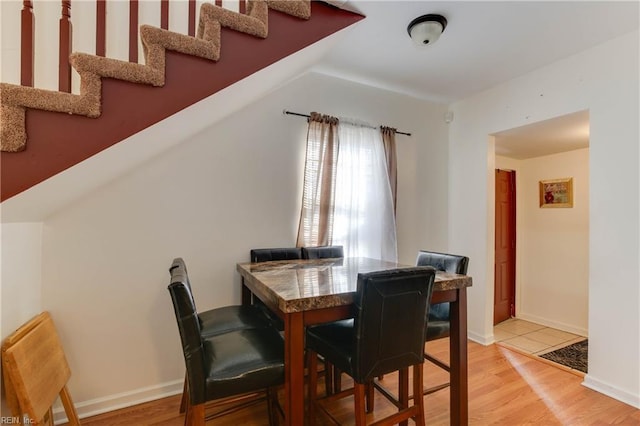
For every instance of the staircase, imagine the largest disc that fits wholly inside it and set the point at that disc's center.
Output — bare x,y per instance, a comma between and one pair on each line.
44,132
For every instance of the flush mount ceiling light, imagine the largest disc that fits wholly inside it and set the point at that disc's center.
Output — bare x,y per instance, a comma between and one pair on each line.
426,29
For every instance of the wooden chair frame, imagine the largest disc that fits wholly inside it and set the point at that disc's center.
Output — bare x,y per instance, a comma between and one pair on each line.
363,394
35,372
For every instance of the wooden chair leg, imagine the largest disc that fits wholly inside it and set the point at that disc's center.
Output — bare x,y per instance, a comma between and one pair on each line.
187,413
69,408
312,360
272,401
370,397
337,380
328,378
10,393
47,420
195,415
418,399
403,392
183,401
359,395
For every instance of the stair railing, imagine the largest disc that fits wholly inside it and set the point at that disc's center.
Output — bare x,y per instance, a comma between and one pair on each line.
101,27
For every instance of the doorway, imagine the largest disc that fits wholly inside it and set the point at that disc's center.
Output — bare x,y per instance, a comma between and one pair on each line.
505,247
552,244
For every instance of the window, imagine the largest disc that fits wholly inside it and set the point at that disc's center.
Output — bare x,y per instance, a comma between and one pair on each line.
359,208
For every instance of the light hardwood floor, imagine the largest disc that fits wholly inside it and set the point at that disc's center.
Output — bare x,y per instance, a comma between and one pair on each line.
505,388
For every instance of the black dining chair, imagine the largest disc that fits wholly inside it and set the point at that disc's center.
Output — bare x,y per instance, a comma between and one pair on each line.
333,376
322,252
220,366
271,254
217,321
285,253
227,318
439,324
387,334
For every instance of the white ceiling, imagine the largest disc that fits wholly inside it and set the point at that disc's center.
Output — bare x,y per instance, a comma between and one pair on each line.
484,44
560,134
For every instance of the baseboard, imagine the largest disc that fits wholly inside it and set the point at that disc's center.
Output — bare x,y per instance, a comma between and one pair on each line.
480,338
105,404
554,324
609,390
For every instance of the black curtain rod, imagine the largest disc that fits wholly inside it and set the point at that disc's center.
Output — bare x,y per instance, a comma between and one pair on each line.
308,116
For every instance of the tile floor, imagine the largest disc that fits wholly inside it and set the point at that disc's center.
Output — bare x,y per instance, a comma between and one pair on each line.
532,338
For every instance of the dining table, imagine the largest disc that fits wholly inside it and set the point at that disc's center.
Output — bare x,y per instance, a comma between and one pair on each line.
304,292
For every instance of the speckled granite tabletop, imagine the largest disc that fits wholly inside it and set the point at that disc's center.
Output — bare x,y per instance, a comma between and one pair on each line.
301,285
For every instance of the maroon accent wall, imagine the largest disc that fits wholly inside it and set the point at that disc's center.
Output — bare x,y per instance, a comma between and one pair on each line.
58,141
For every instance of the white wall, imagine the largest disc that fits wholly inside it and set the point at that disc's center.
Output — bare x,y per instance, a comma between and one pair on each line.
235,186
10,42
603,80
20,277
20,273
552,250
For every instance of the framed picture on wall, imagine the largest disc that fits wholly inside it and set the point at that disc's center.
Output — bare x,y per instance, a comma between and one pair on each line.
556,193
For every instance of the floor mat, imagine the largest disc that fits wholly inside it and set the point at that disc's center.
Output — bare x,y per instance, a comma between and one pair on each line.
573,356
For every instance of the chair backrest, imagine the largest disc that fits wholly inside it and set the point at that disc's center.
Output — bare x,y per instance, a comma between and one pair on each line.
180,266
36,371
443,261
322,252
391,315
269,254
189,327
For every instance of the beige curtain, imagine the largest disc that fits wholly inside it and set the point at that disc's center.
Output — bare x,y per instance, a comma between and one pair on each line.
316,217
389,142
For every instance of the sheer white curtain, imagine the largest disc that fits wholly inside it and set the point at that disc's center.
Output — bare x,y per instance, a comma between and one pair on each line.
364,219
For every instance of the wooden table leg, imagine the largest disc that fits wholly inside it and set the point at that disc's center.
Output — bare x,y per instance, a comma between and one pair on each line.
294,368
459,403
246,294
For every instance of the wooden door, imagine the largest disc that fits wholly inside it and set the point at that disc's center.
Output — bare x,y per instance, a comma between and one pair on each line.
505,246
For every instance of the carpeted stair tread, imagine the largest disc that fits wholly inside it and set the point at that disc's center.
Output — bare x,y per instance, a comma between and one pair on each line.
299,9
255,22
14,99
